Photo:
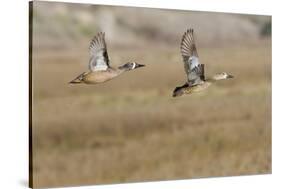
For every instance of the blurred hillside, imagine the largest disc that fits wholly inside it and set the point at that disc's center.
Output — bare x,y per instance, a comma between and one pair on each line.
70,26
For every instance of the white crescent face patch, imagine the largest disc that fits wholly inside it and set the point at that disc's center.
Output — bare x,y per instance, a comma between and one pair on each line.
134,65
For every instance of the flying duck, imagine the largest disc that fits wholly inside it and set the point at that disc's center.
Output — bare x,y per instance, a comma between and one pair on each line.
196,80
99,69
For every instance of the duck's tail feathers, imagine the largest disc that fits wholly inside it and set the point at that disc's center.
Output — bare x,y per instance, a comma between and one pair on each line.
75,81
78,79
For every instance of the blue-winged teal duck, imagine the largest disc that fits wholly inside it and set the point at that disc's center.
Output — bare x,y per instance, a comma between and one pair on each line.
99,68
196,81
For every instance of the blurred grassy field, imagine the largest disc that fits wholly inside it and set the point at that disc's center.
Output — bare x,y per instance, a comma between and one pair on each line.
130,129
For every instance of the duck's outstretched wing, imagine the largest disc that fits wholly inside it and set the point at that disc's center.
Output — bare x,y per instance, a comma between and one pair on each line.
192,66
98,53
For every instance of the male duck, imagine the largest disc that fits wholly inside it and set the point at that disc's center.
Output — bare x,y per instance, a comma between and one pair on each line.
99,68
196,81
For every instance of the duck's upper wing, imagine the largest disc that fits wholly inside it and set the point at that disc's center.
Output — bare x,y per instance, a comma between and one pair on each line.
192,66
98,53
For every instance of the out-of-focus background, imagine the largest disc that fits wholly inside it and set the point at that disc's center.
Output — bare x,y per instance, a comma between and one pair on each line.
130,129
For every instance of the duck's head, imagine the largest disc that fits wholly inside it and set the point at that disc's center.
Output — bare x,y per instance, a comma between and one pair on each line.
222,75
179,91
131,66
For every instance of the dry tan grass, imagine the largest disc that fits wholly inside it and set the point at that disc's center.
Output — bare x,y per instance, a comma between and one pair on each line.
131,129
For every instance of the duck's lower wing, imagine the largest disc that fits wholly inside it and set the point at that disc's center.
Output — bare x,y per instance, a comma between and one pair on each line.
178,91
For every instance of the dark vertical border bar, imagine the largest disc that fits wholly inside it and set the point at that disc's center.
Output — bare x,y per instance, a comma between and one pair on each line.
30,171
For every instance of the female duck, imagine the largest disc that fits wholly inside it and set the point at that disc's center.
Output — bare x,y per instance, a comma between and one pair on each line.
99,68
196,81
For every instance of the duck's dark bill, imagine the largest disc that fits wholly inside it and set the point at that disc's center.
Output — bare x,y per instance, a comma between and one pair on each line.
139,65
230,76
